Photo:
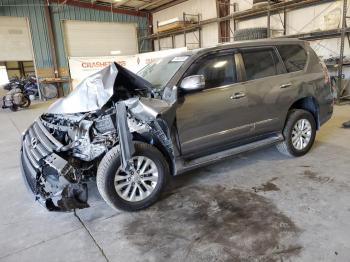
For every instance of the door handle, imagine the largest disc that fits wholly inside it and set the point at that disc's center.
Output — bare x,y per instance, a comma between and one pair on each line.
237,95
286,85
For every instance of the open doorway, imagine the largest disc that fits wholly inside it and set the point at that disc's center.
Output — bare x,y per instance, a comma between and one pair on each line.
18,69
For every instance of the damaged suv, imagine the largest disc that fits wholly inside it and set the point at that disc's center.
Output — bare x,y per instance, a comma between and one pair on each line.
131,131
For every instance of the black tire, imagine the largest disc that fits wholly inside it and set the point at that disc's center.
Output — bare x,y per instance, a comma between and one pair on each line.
250,34
26,102
107,170
286,147
14,108
346,124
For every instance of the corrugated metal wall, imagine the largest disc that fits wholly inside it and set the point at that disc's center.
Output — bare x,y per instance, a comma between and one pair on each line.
34,10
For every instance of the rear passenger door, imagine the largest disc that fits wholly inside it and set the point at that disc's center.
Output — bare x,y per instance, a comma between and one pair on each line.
264,80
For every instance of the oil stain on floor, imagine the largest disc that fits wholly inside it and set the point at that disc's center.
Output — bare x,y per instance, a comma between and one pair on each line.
268,186
315,177
212,223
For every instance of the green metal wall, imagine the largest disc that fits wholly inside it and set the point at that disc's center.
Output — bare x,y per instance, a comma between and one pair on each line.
34,10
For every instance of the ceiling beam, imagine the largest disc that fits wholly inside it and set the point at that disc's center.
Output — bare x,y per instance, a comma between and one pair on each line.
167,5
116,4
149,4
96,6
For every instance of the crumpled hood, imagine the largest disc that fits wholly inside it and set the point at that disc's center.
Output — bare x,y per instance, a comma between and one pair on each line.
96,90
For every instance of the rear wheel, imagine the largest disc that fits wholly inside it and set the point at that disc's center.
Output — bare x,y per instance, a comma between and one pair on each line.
26,102
14,108
299,133
137,188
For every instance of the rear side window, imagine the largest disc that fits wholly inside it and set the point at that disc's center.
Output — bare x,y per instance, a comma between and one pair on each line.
261,63
294,57
218,70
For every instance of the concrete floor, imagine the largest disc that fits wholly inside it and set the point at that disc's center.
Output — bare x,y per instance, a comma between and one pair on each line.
260,206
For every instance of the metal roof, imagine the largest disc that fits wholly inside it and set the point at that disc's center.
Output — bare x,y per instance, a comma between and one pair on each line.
135,5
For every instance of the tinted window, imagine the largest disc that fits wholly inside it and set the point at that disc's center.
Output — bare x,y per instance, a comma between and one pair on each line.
260,63
159,72
294,57
218,70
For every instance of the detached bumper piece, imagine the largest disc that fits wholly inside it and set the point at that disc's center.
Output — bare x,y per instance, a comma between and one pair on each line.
50,177
73,196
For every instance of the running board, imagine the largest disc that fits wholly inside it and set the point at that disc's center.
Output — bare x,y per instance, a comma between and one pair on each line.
184,166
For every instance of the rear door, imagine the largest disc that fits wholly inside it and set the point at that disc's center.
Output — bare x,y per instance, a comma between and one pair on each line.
265,80
217,115
301,74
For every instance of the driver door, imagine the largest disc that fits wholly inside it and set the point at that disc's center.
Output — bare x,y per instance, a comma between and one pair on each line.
217,115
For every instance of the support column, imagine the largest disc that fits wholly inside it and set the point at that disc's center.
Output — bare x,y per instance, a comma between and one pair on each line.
342,41
269,20
48,17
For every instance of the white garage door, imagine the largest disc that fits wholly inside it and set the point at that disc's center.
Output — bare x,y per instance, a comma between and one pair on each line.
99,39
15,41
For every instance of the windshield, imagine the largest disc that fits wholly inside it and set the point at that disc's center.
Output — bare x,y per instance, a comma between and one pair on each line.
159,72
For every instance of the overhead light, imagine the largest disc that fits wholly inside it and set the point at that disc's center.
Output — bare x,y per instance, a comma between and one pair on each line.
117,52
220,64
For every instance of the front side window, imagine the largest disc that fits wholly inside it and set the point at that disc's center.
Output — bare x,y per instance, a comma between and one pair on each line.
218,70
260,63
293,56
159,72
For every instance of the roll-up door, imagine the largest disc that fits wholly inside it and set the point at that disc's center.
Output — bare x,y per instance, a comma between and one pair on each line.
90,39
15,41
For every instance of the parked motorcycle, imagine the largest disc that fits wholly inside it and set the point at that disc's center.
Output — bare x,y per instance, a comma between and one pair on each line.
16,98
29,85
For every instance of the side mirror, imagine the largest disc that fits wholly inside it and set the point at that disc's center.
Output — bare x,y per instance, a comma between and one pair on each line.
193,83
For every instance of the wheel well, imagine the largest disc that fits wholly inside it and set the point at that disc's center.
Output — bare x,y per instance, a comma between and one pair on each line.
309,104
152,140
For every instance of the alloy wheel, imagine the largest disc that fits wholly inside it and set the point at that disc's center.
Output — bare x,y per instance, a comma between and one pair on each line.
139,181
301,134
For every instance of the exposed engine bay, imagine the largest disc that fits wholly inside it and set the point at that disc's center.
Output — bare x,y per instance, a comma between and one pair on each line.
61,151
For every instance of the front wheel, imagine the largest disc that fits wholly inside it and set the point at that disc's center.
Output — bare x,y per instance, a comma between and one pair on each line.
299,133
137,188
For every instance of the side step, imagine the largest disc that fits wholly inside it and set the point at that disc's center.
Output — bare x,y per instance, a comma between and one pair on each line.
184,166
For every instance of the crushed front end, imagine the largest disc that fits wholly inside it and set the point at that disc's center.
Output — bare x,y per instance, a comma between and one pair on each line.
58,157
51,178
61,151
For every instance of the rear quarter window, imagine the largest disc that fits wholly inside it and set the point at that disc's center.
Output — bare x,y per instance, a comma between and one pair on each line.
293,56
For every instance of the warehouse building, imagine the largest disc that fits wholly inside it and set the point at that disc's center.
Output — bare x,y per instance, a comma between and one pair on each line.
184,130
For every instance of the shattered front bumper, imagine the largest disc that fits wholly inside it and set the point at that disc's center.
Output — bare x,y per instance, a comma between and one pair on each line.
46,173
